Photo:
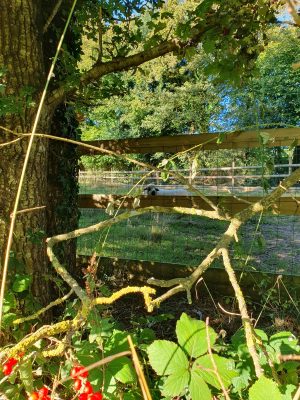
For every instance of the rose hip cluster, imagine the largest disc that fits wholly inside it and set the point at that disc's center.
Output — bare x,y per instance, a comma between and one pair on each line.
42,394
10,363
82,385
78,373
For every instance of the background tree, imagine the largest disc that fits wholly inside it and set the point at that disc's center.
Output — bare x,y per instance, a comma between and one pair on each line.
29,33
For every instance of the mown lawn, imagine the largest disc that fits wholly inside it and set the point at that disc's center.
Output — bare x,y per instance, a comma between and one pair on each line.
271,246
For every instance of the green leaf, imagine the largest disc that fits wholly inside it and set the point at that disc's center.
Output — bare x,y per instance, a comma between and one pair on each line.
21,283
288,391
265,138
198,388
225,367
264,388
284,342
25,371
239,337
166,357
8,319
191,335
9,302
122,370
176,383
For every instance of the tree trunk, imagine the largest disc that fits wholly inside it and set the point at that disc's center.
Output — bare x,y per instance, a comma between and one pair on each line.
22,58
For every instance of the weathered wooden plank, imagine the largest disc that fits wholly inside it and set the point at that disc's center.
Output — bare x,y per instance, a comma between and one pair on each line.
285,206
174,144
138,271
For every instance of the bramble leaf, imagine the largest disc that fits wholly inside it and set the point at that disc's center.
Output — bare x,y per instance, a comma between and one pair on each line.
191,335
166,357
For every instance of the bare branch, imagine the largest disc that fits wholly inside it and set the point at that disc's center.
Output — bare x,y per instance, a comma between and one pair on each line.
52,15
125,63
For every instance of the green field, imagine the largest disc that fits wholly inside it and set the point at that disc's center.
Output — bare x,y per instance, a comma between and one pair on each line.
169,238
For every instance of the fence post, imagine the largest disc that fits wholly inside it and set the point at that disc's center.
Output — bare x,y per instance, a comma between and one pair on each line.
232,174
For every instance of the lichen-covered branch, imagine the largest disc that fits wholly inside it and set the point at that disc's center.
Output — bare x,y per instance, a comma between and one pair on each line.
248,327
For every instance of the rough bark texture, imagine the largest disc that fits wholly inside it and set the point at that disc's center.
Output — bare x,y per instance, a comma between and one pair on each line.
22,57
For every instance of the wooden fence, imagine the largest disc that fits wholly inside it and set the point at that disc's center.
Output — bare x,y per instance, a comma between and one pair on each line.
207,141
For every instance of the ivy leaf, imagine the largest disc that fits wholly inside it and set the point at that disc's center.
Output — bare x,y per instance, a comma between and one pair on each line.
176,383
198,388
191,335
21,283
225,366
9,302
264,388
166,357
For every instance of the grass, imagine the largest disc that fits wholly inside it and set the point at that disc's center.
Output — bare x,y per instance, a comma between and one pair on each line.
186,240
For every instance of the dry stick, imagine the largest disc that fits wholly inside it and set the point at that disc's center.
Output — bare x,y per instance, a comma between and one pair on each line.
293,11
10,142
215,368
43,310
297,394
250,338
289,357
139,371
26,160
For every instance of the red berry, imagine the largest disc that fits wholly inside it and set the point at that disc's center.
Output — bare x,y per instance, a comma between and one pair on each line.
12,361
83,373
74,372
77,384
88,389
96,396
20,355
43,392
79,371
7,369
83,396
34,396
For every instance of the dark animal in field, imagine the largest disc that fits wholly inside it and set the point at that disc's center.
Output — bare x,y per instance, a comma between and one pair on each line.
151,190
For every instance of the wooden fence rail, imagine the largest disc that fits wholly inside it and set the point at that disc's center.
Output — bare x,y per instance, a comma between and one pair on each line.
208,141
284,206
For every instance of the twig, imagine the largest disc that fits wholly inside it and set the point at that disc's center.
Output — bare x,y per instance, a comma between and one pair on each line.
293,11
140,374
26,210
297,394
215,368
10,142
43,310
52,15
289,357
228,312
105,360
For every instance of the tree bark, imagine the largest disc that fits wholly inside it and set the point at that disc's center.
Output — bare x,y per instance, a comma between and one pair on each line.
21,56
